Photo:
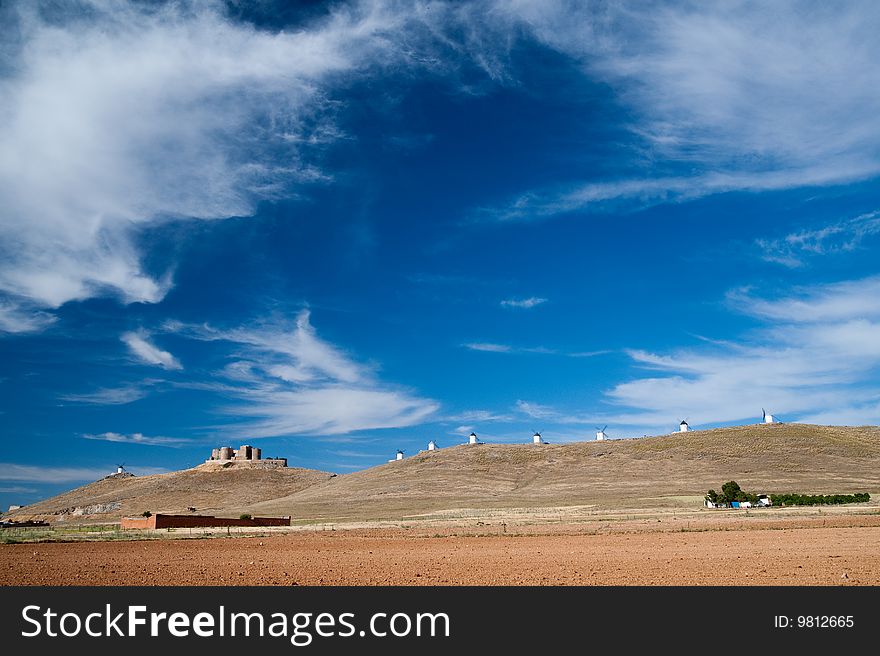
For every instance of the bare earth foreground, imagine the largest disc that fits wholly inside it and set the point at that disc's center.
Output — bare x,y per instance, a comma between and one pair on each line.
702,549
618,512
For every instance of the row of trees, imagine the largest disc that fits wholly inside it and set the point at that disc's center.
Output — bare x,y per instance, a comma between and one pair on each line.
818,499
731,491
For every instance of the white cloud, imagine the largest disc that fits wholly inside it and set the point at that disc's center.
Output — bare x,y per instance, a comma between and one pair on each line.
525,303
111,395
17,318
743,96
851,299
588,354
17,489
290,381
479,416
149,353
839,237
491,347
38,474
488,347
638,193
553,415
132,114
851,415
817,358
329,410
138,438
536,410
125,115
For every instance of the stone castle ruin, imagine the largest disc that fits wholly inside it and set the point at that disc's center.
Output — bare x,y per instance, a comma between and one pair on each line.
244,454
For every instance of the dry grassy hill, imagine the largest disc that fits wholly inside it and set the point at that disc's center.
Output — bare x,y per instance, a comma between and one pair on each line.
210,488
654,472
638,473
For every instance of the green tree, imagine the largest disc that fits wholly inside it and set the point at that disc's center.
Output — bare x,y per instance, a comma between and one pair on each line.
245,516
730,491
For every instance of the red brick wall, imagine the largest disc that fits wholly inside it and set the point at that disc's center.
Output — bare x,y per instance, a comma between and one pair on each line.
198,521
138,522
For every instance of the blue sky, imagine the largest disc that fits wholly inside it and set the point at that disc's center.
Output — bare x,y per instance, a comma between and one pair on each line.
336,230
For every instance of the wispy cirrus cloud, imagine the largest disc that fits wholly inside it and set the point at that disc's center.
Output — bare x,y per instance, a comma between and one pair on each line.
148,353
488,347
796,248
478,416
741,96
536,410
139,438
113,395
22,317
17,489
639,193
288,381
492,347
817,356
38,474
177,111
523,303
834,302
172,111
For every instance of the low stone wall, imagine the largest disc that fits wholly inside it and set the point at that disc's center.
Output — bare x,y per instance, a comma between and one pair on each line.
198,521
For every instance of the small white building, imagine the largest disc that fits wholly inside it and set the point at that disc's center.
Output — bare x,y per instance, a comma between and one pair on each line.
14,506
536,439
683,427
472,438
600,434
768,418
399,455
432,446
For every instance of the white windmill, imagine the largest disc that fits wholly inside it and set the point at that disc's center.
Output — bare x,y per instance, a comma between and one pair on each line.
120,468
537,439
432,446
683,426
472,438
399,456
768,418
600,433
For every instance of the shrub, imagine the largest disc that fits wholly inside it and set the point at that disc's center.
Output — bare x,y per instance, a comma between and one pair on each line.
147,513
245,516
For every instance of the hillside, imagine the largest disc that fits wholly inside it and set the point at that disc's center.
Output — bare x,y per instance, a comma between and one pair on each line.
665,471
638,473
209,488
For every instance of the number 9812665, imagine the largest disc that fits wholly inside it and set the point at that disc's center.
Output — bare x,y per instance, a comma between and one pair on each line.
825,621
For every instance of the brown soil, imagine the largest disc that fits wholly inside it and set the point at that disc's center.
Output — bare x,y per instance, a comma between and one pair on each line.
716,549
